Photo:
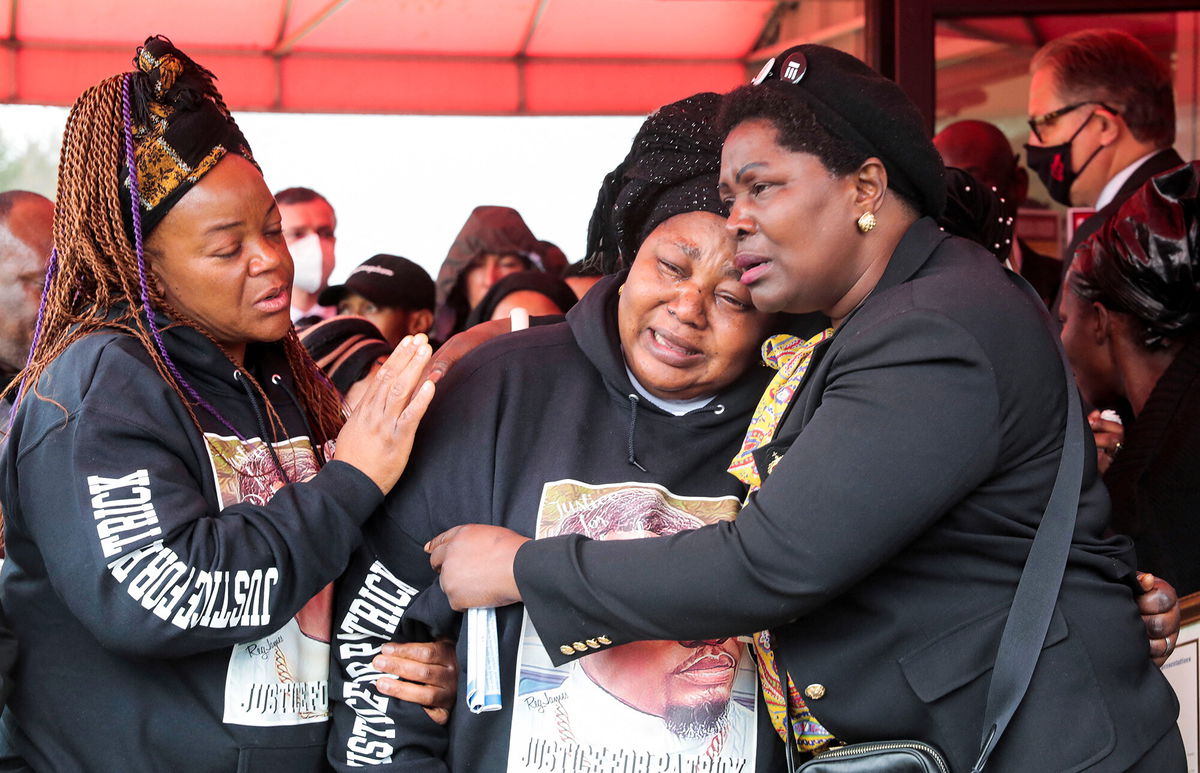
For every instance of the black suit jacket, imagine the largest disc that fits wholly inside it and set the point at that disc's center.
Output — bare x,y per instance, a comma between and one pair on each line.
1160,162
1153,481
885,547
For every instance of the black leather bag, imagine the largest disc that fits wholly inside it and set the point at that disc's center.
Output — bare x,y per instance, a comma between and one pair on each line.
880,757
1024,632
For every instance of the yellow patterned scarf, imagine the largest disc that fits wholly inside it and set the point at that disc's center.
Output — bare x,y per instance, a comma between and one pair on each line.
790,356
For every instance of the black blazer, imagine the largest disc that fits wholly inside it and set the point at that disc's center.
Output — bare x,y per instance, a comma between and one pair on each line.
1152,480
884,549
1160,162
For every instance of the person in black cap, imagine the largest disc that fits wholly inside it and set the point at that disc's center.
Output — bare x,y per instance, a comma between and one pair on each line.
395,294
897,485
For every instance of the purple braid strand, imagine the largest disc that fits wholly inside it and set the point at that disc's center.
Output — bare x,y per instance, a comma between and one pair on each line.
136,206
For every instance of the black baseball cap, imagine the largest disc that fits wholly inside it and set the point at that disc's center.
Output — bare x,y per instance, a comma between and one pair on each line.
388,281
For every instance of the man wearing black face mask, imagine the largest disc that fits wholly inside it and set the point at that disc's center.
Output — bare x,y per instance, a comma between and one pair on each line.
1102,122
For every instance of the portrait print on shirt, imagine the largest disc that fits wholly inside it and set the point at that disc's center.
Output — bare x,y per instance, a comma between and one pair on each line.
661,705
282,678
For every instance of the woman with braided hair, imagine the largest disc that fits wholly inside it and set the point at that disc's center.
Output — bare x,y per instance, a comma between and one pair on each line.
175,510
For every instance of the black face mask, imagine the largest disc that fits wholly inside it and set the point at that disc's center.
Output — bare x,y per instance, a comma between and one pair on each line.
1052,164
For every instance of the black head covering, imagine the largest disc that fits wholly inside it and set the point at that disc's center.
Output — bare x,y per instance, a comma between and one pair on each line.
345,348
974,211
489,229
672,168
552,287
181,130
1143,260
867,110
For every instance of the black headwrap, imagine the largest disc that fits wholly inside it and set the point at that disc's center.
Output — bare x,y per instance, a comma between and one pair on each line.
671,169
181,129
1145,259
974,211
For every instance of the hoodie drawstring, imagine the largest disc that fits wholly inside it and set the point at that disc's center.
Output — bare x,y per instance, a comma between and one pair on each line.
633,406
278,381
262,425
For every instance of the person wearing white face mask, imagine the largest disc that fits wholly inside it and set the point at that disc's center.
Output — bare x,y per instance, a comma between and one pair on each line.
309,225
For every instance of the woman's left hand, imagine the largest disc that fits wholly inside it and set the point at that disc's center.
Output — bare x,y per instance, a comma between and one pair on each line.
1109,436
1159,608
476,565
426,674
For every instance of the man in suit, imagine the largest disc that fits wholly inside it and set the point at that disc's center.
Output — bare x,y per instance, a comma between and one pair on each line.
1102,122
982,150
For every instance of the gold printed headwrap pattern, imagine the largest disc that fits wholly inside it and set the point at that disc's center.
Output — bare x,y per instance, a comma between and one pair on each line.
181,127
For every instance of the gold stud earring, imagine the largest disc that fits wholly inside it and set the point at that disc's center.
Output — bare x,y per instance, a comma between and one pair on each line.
621,289
866,221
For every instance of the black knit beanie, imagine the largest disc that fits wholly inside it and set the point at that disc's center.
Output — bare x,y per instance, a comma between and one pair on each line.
866,110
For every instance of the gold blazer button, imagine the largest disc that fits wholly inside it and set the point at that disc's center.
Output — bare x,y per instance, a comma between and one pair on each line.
814,692
593,644
567,649
604,640
580,646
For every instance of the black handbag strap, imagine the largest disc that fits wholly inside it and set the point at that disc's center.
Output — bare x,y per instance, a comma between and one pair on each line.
1037,590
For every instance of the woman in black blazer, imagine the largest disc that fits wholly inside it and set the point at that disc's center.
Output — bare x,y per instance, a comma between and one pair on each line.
902,488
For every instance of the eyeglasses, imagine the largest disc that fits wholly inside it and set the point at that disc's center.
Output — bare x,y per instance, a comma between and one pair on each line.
1037,123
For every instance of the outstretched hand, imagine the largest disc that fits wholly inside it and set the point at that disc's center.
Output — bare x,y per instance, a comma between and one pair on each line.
378,436
476,565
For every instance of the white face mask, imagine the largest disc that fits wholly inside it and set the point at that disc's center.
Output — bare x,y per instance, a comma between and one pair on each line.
308,260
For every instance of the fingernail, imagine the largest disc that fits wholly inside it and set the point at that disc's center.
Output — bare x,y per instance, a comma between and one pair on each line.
406,341
427,544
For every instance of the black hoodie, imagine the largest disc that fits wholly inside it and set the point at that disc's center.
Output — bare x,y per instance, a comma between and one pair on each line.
156,575
489,229
543,414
